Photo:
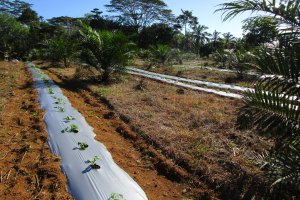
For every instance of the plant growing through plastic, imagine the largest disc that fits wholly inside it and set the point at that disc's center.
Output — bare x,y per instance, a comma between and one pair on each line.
59,101
69,118
72,129
93,163
50,90
82,145
60,109
116,196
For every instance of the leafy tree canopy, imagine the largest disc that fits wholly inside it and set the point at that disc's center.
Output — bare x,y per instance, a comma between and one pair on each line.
14,8
28,16
140,13
258,30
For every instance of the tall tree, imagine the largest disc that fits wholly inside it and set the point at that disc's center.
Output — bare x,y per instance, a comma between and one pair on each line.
140,13
14,8
201,36
13,37
215,38
259,30
186,20
28,16
227,39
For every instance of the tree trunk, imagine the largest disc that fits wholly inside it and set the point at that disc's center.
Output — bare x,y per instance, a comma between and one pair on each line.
106,76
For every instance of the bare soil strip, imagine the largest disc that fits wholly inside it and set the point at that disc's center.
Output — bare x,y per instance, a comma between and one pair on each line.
28,168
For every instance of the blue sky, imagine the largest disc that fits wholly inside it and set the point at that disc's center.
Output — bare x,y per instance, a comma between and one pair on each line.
203,9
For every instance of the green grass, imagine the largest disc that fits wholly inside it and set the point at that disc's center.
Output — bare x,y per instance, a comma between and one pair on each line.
104,91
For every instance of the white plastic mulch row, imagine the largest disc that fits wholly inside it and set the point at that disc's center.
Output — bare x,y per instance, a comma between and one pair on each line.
84,182
176,81
196,82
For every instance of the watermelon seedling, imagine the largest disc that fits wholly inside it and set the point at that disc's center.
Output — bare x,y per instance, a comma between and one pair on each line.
93,163
116,196
69,118
60,109
82,145
72,129
50,90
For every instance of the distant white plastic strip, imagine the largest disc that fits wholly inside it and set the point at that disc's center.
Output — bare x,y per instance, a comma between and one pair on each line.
84,182
170,81
196,82
215,69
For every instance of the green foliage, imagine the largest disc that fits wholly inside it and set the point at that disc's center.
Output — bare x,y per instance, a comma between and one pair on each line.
285,11
273,105
69,118
12,37
60,109
115,196
106,51
13,7
259,30
140,13
160,53
155,34
50,90
72,129
61,48
93,163
28,16
82,145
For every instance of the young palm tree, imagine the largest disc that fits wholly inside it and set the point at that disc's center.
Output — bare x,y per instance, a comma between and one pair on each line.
274,105
105,50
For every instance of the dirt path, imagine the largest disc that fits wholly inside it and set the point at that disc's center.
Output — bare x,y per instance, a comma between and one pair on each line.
28,168
128,153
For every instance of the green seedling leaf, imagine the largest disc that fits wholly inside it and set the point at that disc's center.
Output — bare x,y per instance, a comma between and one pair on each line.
34,114
59,101
50,90
70,118
83,145
93,163
116,196
60,109
72,129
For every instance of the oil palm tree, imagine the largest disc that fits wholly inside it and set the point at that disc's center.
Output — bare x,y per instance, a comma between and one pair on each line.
107,51
201,36
228,40
215,38
184,20
274,104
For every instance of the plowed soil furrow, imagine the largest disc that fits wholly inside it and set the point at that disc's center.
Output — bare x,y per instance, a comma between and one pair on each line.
28,168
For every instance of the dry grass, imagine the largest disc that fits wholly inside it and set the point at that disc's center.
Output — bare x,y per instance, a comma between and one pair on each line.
204,74
196,130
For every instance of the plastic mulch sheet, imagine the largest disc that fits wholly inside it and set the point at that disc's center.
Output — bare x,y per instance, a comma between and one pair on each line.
66,127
